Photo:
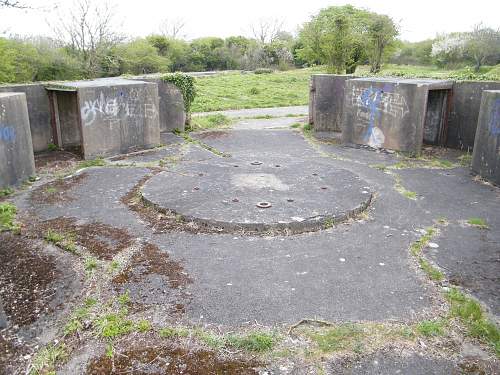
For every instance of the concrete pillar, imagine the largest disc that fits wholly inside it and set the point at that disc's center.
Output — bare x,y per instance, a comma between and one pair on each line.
486,155
17,161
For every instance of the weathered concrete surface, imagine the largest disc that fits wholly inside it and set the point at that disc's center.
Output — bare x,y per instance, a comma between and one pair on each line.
171,104
326,101
38,111
486,155
464,112
391,113
114,116
303,196
16,149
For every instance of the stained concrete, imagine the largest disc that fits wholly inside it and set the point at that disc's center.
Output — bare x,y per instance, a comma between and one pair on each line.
392,113
38,111
302,196
113,116
326,101
464,112
16,149
486,156
172,114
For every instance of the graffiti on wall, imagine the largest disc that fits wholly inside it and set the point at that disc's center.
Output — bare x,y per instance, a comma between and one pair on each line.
7,133
371,104
494,124
112,108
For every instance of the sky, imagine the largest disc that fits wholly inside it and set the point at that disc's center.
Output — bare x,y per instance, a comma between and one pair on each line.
418,19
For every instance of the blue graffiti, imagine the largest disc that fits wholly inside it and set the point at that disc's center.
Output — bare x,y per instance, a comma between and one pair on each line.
7,133
494,124
370,98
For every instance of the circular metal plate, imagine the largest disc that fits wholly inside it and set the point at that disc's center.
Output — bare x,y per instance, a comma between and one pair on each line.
263,205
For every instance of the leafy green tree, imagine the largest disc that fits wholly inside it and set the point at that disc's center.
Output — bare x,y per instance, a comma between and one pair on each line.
140,57
481,45
381,33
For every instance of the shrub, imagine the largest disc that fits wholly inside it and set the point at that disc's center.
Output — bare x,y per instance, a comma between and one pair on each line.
185,83
263,71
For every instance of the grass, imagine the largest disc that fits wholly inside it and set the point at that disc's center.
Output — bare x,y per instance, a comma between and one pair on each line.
254,341
431,271
7,215
45,361
207,122
98,162
477,222
6,192
240,91
143,326
90,264
431,328
64,241
342,337
417,246
472,316
415,71
171,332
110,326
465,160
402,190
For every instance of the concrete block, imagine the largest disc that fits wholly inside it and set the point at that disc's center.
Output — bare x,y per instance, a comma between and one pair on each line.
464,112
38,111
326,101
397,114
486,155
106,117
16,149
171,103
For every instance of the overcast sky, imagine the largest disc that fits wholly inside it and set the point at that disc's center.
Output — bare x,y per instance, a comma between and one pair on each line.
418,19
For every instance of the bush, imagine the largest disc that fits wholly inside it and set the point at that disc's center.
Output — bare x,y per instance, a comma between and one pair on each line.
263,71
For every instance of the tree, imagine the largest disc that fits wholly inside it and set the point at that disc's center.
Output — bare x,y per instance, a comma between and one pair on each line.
172,28
381,32
265,30
482,44
140,57
88,29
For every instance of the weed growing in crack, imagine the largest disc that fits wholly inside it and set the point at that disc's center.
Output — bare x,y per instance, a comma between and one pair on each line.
143,326
6,192
328,223
431,328
113,325
98,162
477,222
472,316
8,213
254,341
431,271
46,359
171,332
417,246
64,241
344,336
90,264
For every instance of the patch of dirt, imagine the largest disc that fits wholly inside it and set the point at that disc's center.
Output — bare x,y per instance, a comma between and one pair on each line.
170,361
56,191
145,278
27,278
213,134
102,240
50,162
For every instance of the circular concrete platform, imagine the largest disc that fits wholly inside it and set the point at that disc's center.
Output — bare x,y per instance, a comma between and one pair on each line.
256,196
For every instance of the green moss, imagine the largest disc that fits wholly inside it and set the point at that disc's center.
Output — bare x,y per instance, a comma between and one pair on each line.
338,338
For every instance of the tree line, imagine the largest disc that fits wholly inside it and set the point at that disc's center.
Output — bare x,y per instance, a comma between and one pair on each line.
340,37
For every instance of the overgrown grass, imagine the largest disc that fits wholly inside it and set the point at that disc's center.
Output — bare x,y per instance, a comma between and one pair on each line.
7,216
207,122
470,313
477,222
239,91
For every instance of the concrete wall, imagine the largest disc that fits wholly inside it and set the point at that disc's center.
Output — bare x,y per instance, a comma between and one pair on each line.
326,101
486,155
464,112
384,114
171,110
16,148
39,113
119,118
